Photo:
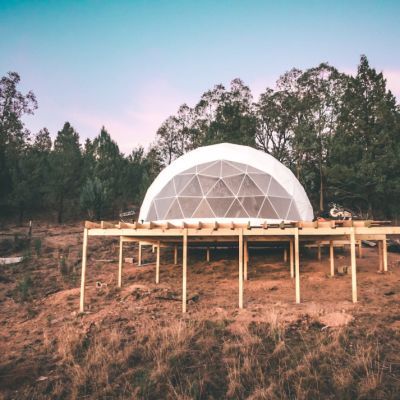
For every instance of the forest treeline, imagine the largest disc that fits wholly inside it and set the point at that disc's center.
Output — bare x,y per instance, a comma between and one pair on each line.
338,133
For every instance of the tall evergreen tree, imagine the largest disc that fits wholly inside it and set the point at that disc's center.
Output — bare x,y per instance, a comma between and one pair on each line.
66,162
366,153
13,135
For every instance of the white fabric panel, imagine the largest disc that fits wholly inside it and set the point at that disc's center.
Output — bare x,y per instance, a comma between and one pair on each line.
233,153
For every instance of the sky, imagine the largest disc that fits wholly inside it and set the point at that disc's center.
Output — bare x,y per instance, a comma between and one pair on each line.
128,65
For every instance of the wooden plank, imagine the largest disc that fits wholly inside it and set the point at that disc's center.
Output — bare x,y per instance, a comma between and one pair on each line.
184,269
92,225
208,254
246,257
380,256
145,232
384,254
83,272
107,225
353,266
120,262
291,246
126,225
285,255
175,254
158,263
140,254
241,268
297,264
319,251
265,225
332,257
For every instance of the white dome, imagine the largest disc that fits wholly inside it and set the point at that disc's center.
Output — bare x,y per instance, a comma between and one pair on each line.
226,182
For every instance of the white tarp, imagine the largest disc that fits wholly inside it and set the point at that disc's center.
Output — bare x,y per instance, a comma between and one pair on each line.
226,182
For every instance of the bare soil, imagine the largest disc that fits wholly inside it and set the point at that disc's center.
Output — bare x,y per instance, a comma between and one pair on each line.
135,343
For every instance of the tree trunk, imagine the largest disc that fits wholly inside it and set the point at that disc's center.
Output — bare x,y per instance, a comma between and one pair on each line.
21,215
60,209
321,189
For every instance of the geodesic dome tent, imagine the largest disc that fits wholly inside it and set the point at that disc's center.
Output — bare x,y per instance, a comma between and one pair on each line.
226,182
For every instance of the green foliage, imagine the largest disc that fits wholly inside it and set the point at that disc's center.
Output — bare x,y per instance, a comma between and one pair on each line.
24,287
94,198
339,134
37,244
65,167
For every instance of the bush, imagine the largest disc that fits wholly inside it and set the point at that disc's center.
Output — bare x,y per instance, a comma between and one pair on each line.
94,198
37,244
24,287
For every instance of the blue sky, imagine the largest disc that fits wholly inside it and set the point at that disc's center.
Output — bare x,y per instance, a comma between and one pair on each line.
128,65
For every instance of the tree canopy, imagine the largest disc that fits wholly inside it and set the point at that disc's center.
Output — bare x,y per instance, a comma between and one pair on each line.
338,133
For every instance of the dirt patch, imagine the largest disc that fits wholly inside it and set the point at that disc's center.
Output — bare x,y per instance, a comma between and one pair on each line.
134,342
336,319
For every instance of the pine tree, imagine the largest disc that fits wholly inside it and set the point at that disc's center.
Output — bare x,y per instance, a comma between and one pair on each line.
66,162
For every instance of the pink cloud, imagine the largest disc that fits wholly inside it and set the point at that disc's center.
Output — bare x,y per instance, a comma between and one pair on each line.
137,123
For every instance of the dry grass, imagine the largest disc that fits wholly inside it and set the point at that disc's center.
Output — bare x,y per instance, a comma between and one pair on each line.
132,345
205,360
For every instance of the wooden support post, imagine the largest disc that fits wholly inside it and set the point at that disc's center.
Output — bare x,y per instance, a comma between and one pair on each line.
83,275
120,262
208,254
332,257
353,266
291,258
360,249
246,258
184,270
319,252
384,254
241,268
285,255
297,264
380,256
175,254
158,263
139,255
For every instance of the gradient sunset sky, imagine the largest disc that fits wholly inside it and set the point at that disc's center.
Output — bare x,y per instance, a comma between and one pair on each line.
128,65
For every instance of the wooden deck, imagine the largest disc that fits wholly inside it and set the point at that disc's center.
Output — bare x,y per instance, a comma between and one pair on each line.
329,233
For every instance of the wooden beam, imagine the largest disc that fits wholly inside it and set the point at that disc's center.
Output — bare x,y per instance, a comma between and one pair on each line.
246,258
83,273
353,266
175,254
332,257
120,262
92,225
380,256
241,268
139,254
265,225
285,254
158,263
319,251
184,270
384,254
291,245
126,225
359,248
297,264
107,225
